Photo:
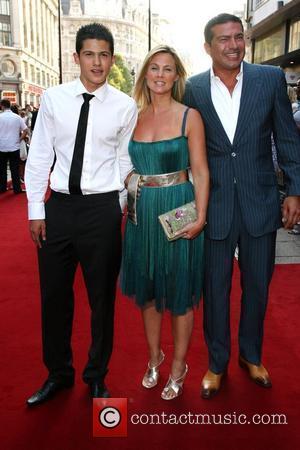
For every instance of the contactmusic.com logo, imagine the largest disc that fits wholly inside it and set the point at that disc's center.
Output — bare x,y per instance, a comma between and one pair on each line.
110,417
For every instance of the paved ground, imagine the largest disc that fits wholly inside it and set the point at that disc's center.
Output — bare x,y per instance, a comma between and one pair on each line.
287,248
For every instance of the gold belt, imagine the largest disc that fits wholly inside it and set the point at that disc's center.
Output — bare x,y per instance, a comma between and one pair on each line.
163,180
160,180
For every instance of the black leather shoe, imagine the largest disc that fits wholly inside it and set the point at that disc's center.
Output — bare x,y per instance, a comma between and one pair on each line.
99,390
48,390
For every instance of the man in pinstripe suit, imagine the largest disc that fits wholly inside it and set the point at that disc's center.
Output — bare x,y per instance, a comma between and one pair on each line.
242,105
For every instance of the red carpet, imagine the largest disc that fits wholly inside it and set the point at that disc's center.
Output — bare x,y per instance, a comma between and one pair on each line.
65,423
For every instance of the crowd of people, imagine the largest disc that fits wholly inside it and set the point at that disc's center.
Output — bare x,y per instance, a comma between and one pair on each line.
15,134
208,140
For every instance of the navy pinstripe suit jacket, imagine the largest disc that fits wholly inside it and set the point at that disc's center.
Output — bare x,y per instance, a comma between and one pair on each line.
247,164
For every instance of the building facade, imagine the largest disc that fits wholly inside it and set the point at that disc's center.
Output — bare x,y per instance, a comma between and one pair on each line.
128,22
274,30
28,49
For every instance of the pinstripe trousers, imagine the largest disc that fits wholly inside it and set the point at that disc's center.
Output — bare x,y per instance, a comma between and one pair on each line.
256,263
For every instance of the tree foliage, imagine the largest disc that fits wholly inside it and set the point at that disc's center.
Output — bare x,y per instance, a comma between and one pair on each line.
120,76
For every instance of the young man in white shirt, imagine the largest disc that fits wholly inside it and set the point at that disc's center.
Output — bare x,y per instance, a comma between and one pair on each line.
86,124
12,131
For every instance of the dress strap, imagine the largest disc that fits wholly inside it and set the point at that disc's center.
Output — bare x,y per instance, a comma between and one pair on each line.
184,121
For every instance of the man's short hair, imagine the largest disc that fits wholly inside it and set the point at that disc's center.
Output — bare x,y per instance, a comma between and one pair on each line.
94,31
5,103
218,20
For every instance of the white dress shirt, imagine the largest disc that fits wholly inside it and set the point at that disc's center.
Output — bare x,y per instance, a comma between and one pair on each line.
227,106
106,163
11,126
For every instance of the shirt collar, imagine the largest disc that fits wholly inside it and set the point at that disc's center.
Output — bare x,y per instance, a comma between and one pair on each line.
215,77
100,93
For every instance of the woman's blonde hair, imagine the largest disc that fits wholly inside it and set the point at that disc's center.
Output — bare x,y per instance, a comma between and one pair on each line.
141,92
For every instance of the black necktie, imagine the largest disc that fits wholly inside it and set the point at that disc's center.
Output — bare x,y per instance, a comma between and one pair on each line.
77,161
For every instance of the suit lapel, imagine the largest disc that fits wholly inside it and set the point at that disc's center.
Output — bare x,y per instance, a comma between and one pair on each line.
249,98
203,97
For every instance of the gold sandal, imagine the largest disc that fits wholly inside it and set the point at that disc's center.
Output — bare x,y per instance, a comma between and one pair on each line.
173,387
152,374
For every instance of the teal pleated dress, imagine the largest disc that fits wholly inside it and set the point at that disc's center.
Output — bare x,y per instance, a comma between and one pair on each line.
154,269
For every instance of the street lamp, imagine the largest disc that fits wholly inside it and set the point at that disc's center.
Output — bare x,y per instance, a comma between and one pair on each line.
149,25
59,44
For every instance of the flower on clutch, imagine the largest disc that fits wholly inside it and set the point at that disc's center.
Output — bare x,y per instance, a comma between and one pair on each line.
179,213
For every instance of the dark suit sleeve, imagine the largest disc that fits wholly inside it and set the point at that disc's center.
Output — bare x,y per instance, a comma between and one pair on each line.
188,98
286,138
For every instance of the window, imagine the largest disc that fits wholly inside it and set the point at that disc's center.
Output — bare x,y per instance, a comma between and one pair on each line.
32,41
38,76
25,65
32,74
25,26
294,43
5,34
259,3
270,46
8,68
4,7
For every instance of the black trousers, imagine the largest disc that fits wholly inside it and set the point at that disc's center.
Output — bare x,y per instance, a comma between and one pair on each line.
14,159
85,230
256,262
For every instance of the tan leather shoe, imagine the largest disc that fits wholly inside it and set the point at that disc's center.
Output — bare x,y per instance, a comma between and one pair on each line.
257,373
211,384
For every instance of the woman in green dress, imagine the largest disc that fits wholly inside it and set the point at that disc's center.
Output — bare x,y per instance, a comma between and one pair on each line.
159,274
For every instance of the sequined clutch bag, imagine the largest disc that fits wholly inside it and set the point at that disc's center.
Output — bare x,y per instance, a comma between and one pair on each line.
175,220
